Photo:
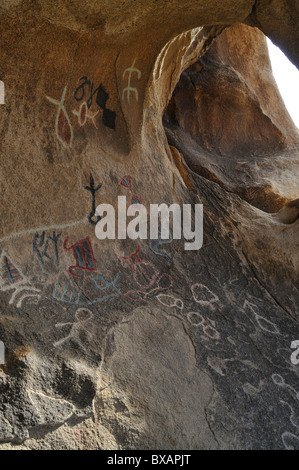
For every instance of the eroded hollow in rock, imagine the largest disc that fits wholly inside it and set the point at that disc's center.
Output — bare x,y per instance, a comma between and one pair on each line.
226,117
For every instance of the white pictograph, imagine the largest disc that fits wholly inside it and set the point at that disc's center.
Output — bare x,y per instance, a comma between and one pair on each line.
63,126
280,382
11,277
83,114
290,441
129,89
295,354
170,301
196,319
203,295
264,324
79,329
294,417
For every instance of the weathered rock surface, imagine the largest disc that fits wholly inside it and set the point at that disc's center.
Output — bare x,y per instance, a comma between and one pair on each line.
123,344
225,116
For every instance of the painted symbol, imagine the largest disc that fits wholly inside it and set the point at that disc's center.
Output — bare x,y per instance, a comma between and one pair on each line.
290,441
126,182
11,277
63,126
129,89
83,114
264,324
170,301
10,274
203,296
196,319
280,382
295,354
164,282
144,272
40,241
64,292
2,93
294,415
83,254
155,247
80,90
93,189
79,329
108,117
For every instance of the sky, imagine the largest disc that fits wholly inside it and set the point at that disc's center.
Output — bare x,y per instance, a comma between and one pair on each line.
287,78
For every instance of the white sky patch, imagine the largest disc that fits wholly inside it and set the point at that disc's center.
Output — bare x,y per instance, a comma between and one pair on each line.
287,78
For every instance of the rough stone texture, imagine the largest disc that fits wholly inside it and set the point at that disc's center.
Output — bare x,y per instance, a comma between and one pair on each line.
226,117
278,20
169,349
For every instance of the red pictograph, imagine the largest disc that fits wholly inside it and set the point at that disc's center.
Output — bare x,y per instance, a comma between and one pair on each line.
83,254
126,182
144,272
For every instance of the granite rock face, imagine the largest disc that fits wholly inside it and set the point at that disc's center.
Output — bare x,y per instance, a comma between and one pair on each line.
142,344
226,116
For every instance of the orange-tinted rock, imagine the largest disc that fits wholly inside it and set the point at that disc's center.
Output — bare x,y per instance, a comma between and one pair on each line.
141,344
227,118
